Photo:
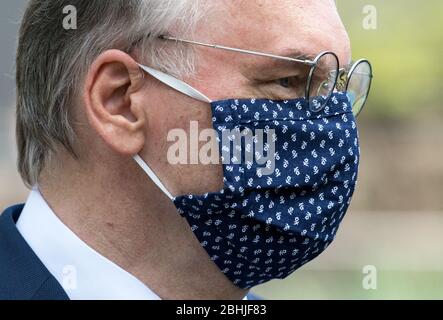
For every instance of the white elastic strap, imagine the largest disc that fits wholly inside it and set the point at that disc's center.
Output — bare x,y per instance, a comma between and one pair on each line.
176,84
153,176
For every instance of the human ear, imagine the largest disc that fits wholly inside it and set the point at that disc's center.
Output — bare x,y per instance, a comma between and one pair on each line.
113,101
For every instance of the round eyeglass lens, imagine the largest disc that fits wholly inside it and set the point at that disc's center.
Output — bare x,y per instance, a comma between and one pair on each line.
323,77
359,84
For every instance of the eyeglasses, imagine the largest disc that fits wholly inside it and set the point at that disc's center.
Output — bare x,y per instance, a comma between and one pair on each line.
323,78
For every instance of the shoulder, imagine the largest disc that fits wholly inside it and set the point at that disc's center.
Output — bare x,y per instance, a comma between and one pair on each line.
9,252
22,275
9,235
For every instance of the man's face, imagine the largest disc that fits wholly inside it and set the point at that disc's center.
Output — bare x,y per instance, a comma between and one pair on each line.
283,27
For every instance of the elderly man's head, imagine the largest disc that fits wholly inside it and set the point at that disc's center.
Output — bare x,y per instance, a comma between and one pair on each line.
91,100
83,98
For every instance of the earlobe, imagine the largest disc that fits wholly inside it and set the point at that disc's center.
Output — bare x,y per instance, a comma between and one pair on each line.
112,85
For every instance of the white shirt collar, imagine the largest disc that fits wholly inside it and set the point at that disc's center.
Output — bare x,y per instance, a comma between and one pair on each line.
82,272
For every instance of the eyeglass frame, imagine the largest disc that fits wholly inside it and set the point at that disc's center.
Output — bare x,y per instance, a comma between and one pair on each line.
311,63
349,72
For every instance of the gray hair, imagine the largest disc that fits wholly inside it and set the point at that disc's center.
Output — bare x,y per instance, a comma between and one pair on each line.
52,61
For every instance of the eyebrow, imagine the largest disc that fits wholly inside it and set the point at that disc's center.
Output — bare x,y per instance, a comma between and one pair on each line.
297,54
292,54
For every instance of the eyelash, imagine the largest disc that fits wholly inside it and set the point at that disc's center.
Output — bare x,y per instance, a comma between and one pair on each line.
284,82
288,82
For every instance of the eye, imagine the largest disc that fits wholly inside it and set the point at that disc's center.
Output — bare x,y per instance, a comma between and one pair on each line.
284,82
288,87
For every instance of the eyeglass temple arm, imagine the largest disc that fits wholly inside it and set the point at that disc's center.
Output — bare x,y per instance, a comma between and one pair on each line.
216,46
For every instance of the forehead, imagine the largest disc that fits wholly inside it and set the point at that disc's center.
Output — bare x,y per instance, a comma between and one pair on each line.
279,26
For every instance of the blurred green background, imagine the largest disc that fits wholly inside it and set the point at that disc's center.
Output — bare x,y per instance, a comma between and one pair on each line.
395,222
406,49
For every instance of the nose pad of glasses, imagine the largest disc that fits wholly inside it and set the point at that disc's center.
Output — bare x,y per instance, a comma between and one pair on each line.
318,102
324,86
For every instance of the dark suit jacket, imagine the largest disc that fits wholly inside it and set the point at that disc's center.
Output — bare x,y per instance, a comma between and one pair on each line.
22,275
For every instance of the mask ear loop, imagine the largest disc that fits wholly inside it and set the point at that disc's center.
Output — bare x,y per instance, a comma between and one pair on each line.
176,84
183,88
153,176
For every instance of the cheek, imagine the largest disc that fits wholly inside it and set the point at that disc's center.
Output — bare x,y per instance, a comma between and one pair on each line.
182,119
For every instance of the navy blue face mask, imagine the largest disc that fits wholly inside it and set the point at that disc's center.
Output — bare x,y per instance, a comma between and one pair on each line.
265,226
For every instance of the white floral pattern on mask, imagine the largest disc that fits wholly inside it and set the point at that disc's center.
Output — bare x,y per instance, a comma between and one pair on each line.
262,227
